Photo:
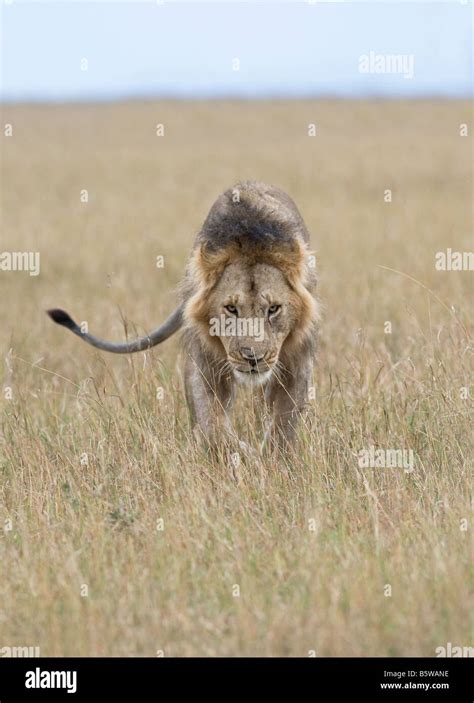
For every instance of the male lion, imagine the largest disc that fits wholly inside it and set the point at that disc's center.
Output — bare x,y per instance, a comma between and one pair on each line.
249,264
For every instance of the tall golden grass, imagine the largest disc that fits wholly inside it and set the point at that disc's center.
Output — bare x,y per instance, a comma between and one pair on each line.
119,536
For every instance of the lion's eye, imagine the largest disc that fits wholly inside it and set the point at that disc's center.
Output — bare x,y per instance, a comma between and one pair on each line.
273,309
231,309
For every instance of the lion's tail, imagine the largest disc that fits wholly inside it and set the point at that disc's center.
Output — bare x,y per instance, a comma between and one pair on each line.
169,327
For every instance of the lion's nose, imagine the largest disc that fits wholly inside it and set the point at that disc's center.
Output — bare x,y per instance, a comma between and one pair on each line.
250,355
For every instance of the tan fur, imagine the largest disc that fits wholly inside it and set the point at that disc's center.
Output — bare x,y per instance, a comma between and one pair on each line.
247,269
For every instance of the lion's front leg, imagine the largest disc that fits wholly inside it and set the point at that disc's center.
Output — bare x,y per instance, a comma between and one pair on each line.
286,397
209,396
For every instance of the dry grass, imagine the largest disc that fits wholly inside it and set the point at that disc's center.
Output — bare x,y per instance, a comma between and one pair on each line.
172,590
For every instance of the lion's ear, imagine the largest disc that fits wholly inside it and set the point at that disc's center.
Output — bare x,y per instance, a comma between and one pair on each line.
208,265
205,268
294,263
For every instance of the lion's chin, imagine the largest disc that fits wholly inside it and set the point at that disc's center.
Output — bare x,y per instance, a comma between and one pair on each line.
252,379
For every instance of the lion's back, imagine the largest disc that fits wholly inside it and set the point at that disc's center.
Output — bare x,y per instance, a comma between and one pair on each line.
252,213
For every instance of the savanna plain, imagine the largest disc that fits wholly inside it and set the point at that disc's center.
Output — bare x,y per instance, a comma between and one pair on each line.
118,535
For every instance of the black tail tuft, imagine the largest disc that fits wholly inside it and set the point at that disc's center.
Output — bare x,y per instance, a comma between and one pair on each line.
62,318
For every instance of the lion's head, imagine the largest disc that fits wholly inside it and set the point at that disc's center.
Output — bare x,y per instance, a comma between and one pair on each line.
252,307
254,310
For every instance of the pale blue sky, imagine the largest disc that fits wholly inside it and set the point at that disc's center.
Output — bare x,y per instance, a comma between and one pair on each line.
146,49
